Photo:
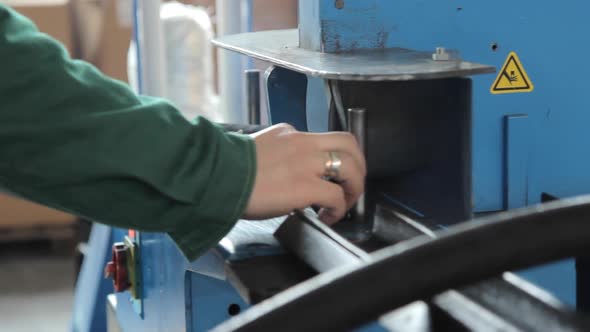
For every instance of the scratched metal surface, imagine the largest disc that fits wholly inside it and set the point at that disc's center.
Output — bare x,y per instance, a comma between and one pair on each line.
280,47
250,239
345,25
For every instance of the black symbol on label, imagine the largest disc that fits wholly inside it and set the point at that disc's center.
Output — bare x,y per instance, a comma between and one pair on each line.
512,77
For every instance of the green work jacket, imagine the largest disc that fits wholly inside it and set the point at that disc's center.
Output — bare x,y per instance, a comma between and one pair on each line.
76,140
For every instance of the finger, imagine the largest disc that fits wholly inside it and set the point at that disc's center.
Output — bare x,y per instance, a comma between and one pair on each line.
330,197
339,142
351,177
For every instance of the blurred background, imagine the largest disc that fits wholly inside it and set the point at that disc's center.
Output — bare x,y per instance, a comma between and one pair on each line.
41,249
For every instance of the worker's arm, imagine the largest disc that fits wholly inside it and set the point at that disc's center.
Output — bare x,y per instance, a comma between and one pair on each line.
75,140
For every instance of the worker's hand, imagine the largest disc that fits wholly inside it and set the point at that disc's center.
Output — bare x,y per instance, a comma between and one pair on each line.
291,165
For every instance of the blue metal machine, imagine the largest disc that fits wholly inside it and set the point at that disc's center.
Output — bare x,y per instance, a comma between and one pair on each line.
527,130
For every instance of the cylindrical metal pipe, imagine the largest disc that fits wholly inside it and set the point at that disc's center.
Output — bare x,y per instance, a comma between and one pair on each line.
151,48
357,126
233,16
253,95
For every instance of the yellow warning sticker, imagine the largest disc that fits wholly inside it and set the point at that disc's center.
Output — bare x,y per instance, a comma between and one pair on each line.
512,78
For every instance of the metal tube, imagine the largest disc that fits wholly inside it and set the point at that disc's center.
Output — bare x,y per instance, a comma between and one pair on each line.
253,95
335,94
152,49
232,17
357,126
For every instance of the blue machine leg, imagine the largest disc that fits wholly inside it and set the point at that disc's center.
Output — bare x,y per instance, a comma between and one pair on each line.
92,288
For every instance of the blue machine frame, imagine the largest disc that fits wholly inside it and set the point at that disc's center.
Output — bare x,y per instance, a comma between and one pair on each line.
524,144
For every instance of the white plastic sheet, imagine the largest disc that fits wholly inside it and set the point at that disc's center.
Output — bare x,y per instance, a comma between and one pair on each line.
189,57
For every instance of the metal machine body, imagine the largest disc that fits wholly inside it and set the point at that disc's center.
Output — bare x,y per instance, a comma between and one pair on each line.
515,154
508,150
524,144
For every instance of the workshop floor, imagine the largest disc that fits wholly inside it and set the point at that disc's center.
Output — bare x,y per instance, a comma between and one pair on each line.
36,288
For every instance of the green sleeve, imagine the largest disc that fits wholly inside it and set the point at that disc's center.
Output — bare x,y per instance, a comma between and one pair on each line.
75,140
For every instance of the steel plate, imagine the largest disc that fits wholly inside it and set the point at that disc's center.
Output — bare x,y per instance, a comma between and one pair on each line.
280,47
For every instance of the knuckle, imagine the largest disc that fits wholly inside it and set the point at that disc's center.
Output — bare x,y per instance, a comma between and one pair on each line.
281,129
285,126
294,136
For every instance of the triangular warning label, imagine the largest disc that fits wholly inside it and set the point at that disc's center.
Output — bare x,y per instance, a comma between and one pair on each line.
512,78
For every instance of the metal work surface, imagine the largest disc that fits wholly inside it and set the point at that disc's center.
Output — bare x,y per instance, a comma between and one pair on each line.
505,303
562,231
280,47
258,278
316,244
250,238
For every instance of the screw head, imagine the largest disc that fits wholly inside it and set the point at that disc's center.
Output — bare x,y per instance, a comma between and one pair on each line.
443,54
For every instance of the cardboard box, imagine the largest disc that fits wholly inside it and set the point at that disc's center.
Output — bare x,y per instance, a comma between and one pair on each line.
52,17
114,44
18,213
101,36
87,22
